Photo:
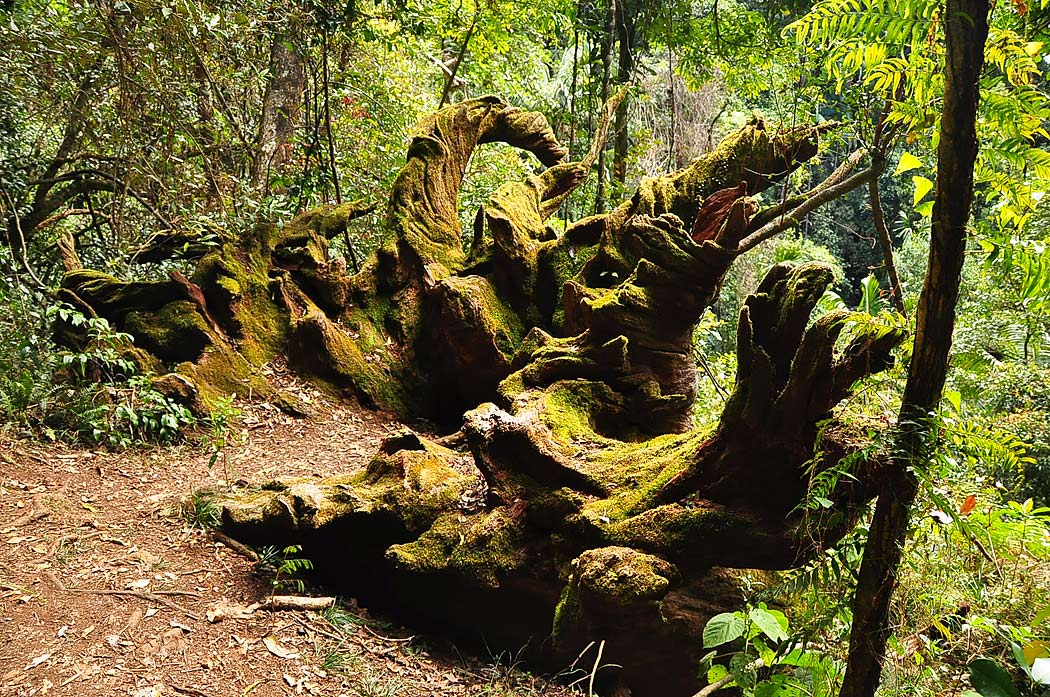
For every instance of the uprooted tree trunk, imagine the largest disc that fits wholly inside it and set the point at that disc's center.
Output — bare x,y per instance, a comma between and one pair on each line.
572,501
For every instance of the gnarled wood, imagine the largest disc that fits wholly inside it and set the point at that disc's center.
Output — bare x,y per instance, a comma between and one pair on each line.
576,501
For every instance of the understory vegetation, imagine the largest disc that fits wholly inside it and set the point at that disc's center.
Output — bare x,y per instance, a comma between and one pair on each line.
136,136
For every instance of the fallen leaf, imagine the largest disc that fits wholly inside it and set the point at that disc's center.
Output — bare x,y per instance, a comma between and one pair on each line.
968,505
62,630
139,584
223,610
274,646
151,691
37,661
151,612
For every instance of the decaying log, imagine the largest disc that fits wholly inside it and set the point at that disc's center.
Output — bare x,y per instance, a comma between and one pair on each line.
574,501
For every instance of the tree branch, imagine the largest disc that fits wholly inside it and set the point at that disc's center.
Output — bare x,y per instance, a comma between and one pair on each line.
807,206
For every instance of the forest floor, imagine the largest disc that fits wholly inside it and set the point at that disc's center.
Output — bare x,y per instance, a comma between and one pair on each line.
106,588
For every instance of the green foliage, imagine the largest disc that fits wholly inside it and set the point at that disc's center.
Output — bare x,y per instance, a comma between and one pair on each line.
764,660
284,568
202,511
221,435
95,395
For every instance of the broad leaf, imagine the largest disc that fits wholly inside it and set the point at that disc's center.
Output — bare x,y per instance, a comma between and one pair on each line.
772,626
716,673
723,627
989,678
908,162
922,187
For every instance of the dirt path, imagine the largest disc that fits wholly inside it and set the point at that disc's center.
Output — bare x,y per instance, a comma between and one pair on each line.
105,587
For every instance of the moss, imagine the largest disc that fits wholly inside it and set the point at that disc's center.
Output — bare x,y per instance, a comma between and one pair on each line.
113,299
560,262
236,283
672,527
417,485
640,470
481,548
175,333
571,408
607,580
473,301
220,372
324,349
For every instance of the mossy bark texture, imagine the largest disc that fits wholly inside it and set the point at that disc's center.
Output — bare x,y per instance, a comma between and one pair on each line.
572,500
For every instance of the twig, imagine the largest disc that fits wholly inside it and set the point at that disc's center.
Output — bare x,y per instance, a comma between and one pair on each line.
719,684
298,602
36,513
153,597
805,208
377,635
242,549
60,541
322,631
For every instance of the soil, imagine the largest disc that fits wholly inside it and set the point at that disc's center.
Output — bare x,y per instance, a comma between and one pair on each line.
106,587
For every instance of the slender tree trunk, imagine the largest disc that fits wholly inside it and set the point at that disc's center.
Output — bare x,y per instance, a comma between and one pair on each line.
280,108
607,44
879,218
329,136
672,160
450,80
624,70
966,31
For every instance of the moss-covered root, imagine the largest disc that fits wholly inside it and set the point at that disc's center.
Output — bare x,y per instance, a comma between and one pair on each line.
481,549
423,213
633,607
609,584
789,377
644,290
467,342
411,481
757,154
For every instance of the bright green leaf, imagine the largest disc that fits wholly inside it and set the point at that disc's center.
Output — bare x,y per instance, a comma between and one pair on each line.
769,623
908,162
922,187
724,627
716,673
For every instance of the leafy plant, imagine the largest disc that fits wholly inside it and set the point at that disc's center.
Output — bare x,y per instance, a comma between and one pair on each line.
221,434
201,511
763,661
285,567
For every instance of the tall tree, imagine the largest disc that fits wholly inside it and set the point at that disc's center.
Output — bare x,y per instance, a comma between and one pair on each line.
282,99
966,28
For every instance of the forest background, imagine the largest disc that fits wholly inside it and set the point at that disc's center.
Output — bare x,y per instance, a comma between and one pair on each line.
133,135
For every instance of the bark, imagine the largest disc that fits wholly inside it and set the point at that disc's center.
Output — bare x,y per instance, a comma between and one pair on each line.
607,48
625,36
966,31
281,105
571,496
886,243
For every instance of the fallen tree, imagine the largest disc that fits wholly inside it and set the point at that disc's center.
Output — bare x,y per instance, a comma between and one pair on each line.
571,500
